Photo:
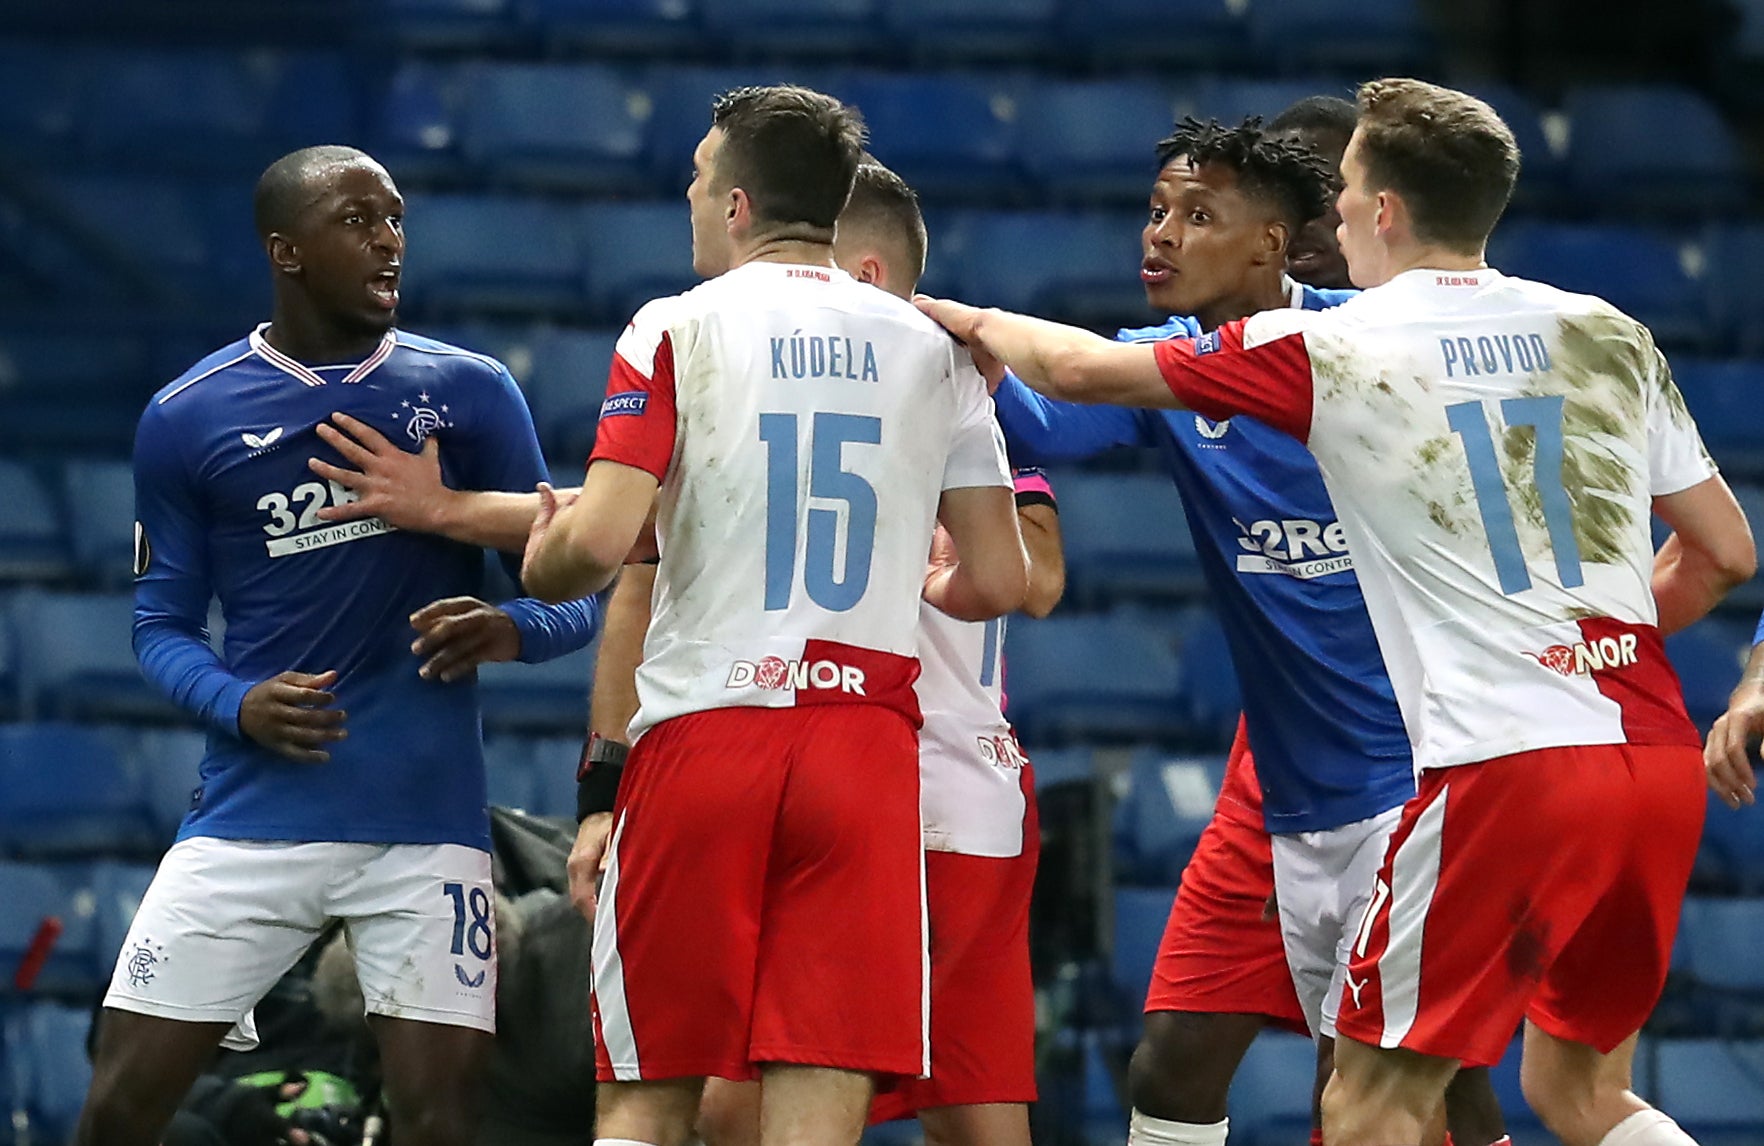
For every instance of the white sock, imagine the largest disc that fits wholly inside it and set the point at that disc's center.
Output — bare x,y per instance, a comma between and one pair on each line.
1647,1128
1144,1130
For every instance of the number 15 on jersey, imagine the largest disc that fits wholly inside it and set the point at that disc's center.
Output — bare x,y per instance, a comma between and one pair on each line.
833,584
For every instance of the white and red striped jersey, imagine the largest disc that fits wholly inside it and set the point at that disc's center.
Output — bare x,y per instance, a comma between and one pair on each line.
971,798
1493,447
803,426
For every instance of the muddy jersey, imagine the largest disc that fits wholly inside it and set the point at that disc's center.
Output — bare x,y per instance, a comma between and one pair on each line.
1492,447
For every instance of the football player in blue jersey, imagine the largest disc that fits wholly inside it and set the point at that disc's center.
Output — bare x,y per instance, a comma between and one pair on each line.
344,776
1324,124
1326,765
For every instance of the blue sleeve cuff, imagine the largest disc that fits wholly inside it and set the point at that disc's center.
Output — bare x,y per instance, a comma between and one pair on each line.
228,703
550,631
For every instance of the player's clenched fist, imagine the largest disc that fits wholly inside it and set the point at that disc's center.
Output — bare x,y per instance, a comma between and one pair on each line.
291,715
587,860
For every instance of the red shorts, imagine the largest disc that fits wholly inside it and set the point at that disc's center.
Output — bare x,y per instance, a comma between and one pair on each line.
982,993
1544,885
764,900
1221,953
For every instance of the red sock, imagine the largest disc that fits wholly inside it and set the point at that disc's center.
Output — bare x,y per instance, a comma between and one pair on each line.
1317,1136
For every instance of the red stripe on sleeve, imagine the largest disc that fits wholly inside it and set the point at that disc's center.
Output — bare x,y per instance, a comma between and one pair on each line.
1215,375
637,420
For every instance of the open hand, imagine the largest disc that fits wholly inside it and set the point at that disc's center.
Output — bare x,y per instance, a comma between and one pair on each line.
291,715
457,634
402,489
550,502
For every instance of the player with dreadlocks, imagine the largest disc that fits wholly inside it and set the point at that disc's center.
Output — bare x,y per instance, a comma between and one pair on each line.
1310,813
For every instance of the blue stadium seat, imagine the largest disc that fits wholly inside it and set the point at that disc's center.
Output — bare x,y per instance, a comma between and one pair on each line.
1378,36
949,135
33,544
1719,938
1140,915
549,697
614,26
508,763
574,127
101,513
1709,656
1054,766
1271,1091
74,649
796,27
1160,817
312,100
492,254
1714,1089
51,1038
40,368
1108,678
1723,398
635,252
168,762
1543,169
1231,101
1213,34
567,384
194,110
1644,273
64,790
116,890
1080,267
34,894
554,761
416,122
682,116
1094,140
993,29
1616,162
475,25
1125,536
1732,854
41,93
10,700
1734,255
1209,682
1749,596
150,226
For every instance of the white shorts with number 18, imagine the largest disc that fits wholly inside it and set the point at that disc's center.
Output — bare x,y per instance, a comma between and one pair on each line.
225,919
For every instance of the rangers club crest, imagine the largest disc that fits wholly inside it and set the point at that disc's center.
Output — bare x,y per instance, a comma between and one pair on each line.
421,419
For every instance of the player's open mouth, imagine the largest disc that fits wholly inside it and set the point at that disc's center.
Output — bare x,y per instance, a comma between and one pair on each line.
1154,271
384,287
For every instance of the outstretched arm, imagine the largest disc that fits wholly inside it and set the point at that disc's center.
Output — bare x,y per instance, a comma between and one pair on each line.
405,491
1062,362
577,544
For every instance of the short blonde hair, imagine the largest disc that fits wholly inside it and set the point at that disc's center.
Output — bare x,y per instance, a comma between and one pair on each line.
1450,156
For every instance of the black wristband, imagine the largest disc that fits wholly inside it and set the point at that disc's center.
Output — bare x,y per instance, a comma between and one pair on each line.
597,780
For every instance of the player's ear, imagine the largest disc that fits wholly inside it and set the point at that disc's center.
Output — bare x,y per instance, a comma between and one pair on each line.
738,212
284,256
870,269
1272,248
